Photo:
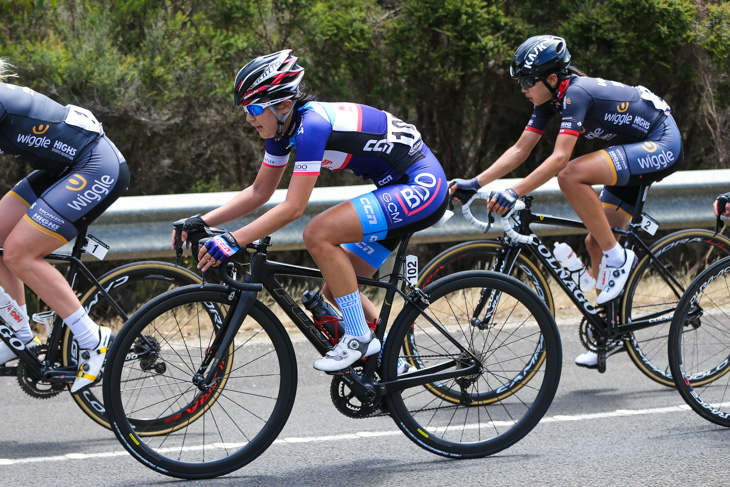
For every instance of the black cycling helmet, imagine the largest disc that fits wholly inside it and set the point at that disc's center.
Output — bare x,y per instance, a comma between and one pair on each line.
539,57
268,79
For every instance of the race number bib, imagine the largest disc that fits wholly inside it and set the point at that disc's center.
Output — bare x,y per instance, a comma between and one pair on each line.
658,103
400,132
82,118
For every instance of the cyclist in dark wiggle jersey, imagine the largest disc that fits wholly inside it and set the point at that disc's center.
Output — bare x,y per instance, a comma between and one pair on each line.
78,173
354,237
644,146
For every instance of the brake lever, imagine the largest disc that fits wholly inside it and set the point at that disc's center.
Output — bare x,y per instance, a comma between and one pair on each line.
178,226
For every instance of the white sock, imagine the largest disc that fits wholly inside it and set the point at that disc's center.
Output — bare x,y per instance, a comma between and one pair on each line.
85,331
353,315
615,257
11,310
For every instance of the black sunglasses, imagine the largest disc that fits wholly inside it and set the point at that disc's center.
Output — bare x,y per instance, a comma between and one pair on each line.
527,83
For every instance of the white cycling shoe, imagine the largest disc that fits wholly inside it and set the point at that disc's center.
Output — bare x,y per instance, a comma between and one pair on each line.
589,359
615,278
91,361
347,351
7,354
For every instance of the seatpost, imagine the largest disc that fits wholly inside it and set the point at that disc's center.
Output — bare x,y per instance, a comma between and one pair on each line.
639,207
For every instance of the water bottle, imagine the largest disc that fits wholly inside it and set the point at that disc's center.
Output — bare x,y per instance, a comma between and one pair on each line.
578,272
316,304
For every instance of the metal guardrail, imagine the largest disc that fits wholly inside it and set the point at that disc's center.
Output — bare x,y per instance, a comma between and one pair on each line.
139,227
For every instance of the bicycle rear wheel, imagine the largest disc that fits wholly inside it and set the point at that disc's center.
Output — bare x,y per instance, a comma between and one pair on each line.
211,432
699,344
685,254
130,286
516,342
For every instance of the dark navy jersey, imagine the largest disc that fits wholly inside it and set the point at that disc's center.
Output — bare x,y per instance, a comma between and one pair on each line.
372,143
602,109
46,134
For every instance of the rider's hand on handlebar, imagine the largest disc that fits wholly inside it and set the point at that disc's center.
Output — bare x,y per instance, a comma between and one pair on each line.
721,205
463,189
502,201
217,250
190,224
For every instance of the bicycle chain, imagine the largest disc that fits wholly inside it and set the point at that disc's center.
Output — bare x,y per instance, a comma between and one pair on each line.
344,406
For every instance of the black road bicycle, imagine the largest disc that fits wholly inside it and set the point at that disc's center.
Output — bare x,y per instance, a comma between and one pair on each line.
699,341
49,369
484,350
640,317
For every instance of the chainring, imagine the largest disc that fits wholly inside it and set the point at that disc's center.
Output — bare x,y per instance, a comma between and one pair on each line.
34,387
347,402
589,341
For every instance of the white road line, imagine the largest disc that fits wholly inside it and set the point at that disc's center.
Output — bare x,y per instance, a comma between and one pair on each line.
560,418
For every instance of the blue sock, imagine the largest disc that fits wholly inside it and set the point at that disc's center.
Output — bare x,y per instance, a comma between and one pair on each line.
353,315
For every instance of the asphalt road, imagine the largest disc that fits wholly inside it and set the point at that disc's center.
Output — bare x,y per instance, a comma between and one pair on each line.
617,428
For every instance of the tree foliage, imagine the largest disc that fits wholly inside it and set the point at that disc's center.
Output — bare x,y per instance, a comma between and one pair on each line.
158,74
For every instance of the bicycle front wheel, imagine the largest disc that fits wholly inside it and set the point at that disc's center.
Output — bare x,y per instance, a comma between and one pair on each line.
650,296
152,370
699,344
482,318
130,286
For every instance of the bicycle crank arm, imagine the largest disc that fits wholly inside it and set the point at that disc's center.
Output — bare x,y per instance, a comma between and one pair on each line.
8,371
60,375
353,381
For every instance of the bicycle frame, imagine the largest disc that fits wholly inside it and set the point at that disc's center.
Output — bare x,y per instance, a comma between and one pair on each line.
609,327
262,272
45,370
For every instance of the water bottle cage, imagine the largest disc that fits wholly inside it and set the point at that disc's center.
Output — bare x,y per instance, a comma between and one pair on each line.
329,320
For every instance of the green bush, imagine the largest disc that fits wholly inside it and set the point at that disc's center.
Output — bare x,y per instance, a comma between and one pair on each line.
158,73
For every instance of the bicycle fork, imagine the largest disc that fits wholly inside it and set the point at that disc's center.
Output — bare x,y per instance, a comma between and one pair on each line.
205,378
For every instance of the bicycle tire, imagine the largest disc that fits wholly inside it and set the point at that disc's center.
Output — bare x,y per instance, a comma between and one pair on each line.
685,254
699,344
480,255
520,353
131,286
250,409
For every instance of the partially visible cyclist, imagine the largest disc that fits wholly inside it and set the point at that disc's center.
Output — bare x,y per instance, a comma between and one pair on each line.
78,173
353,238
644,145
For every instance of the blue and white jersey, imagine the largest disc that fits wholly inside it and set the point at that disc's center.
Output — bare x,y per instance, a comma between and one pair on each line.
371,143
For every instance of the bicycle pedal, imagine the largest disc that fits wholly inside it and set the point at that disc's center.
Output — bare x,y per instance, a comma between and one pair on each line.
8,371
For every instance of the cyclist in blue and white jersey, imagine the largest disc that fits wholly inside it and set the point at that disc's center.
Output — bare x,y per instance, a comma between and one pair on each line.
644,146
352,238
78,173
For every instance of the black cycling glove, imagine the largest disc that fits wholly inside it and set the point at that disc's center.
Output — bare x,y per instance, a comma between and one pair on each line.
193,223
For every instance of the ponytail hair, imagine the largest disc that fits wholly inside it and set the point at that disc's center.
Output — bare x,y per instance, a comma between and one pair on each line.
6,70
